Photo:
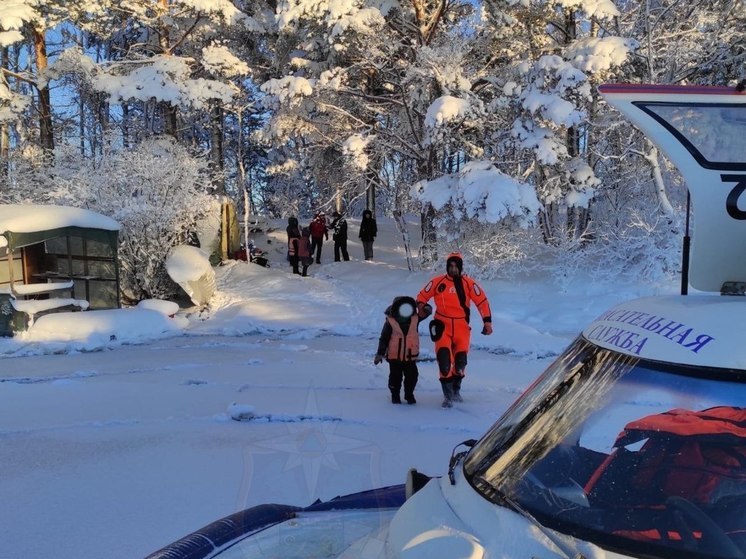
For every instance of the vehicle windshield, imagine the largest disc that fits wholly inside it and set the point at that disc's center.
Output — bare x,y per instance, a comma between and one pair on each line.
638,457
706,130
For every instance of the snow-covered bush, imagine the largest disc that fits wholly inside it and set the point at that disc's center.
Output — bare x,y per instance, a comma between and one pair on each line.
647,248
482,219
479,191
157,192
190,268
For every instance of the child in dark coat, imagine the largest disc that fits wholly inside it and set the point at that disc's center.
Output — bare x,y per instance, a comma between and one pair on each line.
304,250
399,344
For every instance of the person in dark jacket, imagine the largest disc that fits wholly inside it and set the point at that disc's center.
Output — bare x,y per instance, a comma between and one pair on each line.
319,232
399,344
293,232
368,232
339,226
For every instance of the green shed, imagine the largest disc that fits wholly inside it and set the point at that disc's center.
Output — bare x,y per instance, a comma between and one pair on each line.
54,258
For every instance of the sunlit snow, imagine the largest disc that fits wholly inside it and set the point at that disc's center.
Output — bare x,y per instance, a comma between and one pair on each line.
125,430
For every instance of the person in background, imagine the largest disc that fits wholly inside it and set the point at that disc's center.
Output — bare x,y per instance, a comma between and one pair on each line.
339,225
293,232
304,250
399,344
319,231
368,232
256,255
454,292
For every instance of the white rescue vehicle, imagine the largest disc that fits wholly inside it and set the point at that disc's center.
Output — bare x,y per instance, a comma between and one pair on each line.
573,469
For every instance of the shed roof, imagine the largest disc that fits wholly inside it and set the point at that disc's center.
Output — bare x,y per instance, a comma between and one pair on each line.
26,218
24,224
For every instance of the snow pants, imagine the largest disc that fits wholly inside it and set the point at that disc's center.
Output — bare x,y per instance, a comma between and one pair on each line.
294,259
340,246
368,249
406,370
452,346
316,244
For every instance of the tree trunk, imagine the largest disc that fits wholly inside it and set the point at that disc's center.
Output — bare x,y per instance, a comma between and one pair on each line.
660,187
370,191
125,124
4,143
429,246
169,113
4,126
81,123
46,133
401,225
544,226
104,114
571,220
427,16
217,163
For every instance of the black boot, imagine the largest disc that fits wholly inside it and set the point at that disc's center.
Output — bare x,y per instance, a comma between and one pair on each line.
447,386
410,382
395,398
457,389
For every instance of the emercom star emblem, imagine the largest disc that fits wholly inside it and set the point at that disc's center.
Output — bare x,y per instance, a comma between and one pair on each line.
312,445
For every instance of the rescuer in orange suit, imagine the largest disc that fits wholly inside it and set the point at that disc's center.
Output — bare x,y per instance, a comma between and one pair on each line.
453,293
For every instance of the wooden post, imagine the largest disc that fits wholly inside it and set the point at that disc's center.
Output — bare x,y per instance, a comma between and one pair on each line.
10,270
70,261
116,269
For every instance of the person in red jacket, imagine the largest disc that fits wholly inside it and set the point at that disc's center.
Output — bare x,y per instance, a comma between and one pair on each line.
319,232
454,294
399,344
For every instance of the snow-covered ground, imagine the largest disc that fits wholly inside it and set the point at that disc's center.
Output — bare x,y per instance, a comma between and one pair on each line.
117,437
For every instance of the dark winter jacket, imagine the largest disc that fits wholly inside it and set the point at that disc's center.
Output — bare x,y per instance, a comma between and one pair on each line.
368,227
340,229
293,232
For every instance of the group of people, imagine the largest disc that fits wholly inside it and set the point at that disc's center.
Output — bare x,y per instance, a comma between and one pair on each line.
305,244
453,294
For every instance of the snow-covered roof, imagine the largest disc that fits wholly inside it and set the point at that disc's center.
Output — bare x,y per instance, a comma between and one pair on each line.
27,224
665,90
27,218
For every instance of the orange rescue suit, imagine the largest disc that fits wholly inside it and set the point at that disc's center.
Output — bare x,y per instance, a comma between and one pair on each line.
454,315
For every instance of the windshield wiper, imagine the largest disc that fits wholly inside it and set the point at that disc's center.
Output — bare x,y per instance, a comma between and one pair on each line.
456,457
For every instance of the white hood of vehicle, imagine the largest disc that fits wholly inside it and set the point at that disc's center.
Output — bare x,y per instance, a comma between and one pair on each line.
444,521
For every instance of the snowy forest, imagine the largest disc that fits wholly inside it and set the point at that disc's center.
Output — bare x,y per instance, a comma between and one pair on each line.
481,117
